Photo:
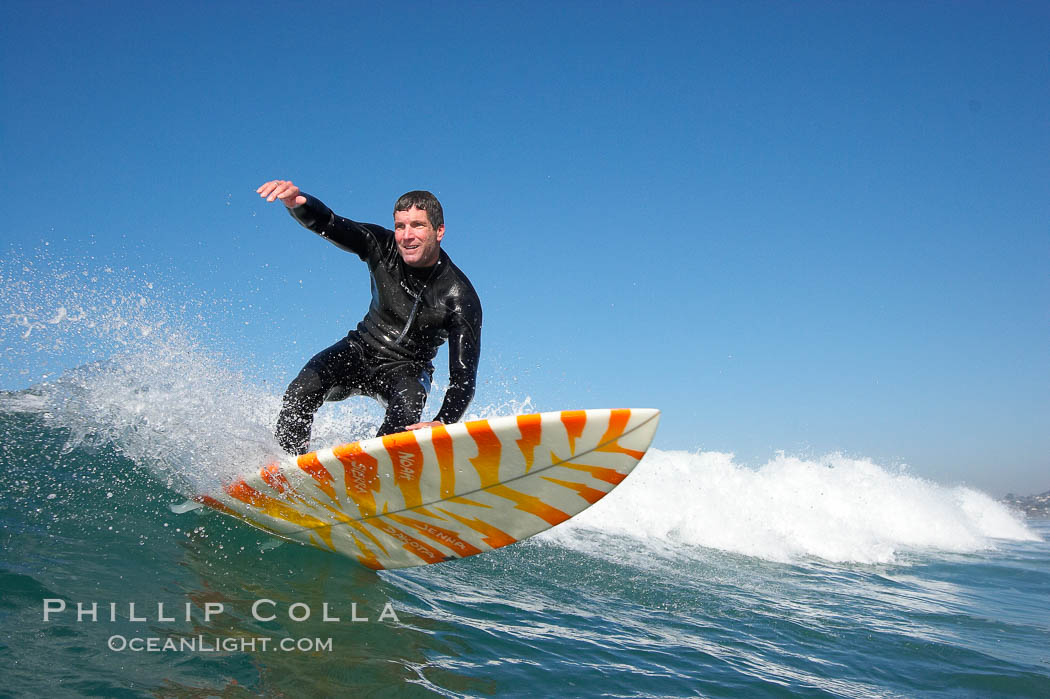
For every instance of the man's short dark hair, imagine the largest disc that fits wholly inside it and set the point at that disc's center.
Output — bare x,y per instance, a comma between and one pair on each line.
422,199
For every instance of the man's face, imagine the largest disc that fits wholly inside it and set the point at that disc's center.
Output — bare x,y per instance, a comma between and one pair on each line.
417,240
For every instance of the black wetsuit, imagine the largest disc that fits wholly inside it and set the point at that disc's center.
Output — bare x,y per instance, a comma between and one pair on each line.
389,356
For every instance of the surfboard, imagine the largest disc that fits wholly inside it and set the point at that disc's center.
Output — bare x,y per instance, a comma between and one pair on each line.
446,492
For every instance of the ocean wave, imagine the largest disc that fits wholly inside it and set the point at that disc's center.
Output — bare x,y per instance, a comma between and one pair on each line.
837,508
149,388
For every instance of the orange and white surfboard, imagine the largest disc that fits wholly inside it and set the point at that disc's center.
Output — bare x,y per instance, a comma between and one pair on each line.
445,492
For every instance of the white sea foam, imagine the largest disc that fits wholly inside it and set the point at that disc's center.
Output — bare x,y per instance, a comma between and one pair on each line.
180,411
837,508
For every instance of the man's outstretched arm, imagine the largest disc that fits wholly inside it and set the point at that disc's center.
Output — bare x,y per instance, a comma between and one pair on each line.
362,239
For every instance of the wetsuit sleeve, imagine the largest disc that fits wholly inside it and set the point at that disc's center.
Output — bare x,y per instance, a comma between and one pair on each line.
363,239
464,351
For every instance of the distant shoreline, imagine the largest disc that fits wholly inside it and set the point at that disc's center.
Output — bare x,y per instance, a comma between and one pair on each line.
1033,506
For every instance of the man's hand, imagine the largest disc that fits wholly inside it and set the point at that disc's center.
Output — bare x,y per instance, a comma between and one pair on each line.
284,190
421,425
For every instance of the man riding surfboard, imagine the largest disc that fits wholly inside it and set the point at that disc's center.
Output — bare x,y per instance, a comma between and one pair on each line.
420,300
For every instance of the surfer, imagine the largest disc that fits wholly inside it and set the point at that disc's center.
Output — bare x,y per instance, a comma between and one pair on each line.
420,299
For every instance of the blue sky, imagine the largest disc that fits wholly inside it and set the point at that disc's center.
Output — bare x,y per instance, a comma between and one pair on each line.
809,227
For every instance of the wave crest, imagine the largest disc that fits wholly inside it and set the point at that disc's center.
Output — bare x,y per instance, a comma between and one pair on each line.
837,508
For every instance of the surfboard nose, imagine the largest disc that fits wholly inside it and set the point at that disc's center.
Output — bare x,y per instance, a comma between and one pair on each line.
645,413
642,426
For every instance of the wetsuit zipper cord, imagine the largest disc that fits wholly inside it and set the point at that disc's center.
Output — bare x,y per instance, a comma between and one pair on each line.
415,306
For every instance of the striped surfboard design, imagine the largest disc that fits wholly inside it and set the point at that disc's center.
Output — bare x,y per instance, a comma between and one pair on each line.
446,492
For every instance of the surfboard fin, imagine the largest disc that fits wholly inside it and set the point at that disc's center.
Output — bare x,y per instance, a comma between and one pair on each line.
183,508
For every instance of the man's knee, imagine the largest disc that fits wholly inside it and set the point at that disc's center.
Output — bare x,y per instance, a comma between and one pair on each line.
302,398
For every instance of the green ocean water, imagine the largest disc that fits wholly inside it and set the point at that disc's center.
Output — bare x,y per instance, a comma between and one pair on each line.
587,611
